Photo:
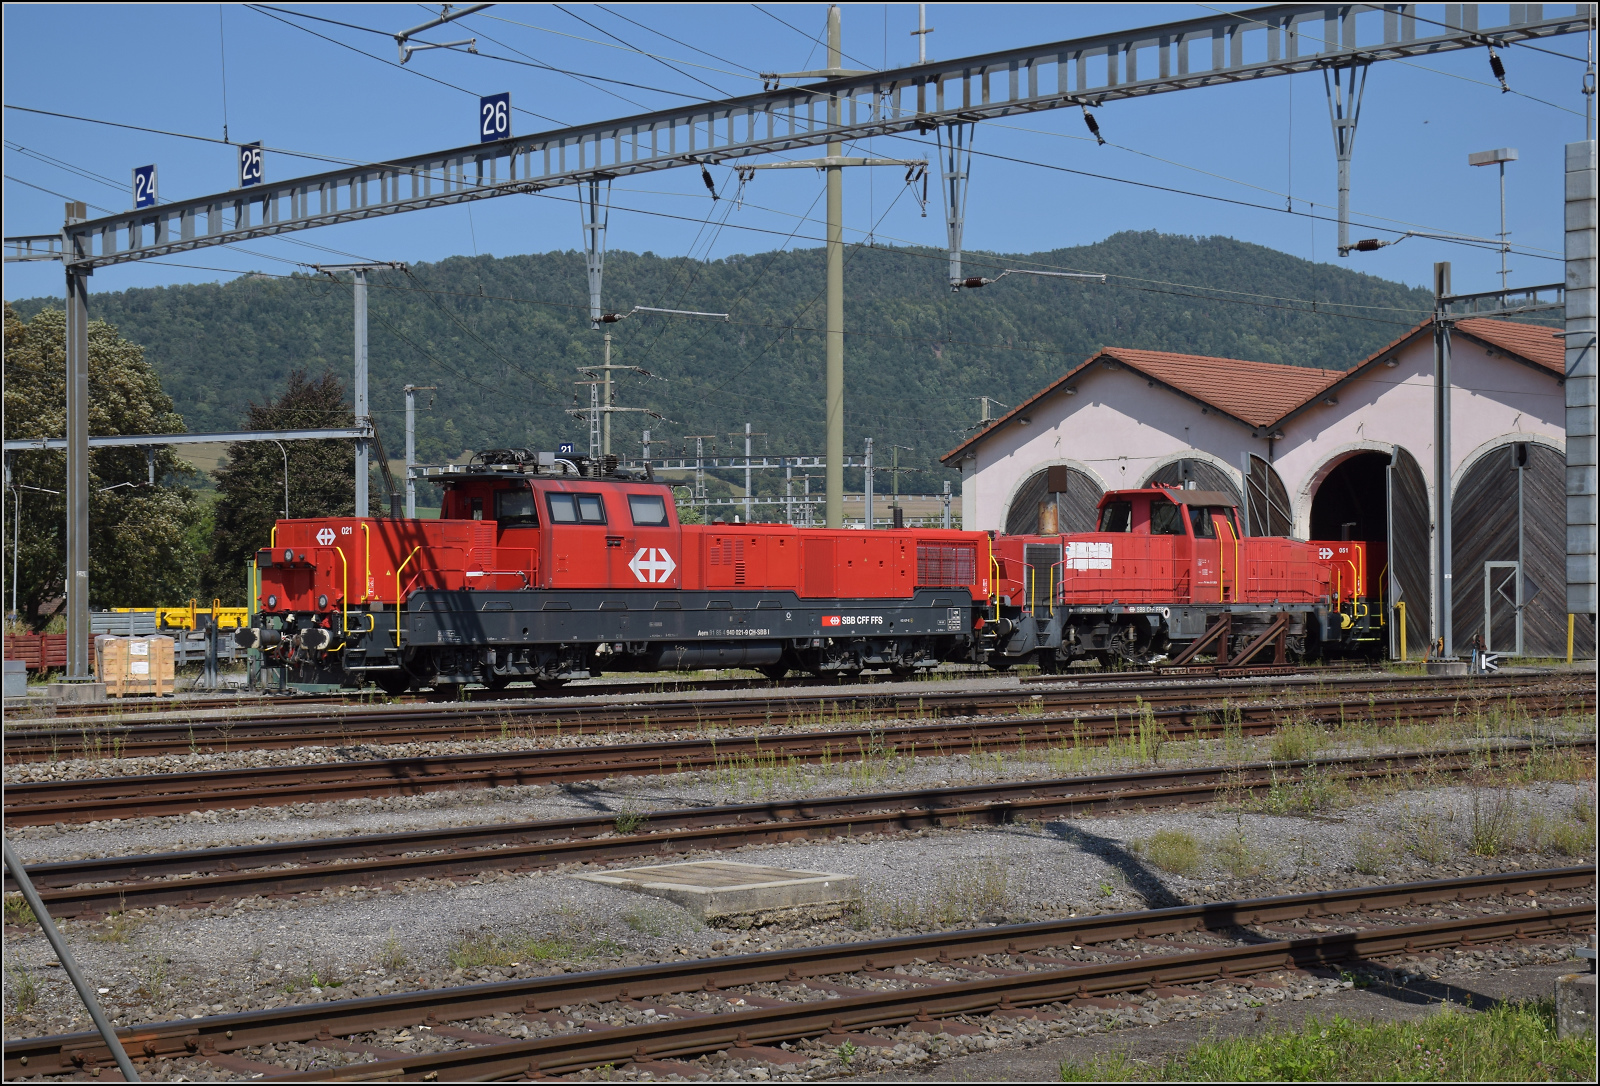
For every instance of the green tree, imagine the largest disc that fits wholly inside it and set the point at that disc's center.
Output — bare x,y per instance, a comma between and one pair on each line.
250,485
138,550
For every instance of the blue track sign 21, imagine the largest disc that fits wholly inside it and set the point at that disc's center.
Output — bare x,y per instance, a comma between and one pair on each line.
249,164
494,117
144,187
566,448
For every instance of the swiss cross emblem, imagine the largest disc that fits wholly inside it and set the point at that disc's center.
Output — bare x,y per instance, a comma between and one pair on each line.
652,565
325,537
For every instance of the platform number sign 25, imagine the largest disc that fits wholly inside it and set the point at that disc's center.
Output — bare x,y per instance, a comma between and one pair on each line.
144,187
249,164
494,117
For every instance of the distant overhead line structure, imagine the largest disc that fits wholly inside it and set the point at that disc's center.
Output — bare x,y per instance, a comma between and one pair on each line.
1090,71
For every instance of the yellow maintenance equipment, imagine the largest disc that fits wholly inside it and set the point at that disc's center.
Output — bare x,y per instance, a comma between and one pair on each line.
187,616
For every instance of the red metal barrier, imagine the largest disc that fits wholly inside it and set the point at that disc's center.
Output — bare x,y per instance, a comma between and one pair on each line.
40,652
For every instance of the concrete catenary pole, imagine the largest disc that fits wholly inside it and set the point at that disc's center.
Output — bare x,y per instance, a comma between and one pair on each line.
1580,334
1441,461
363,416
77,579
835,315
411,451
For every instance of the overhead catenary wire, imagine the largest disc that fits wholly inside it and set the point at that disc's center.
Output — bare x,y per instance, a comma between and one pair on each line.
610,45
664,63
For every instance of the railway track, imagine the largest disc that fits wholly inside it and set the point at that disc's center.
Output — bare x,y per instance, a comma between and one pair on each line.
87,800
97,886
452,722
925,983
135,709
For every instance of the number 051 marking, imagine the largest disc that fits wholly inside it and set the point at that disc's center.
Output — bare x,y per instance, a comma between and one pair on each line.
494,117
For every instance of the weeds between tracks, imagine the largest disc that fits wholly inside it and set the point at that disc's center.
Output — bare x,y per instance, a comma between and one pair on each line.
1510,1042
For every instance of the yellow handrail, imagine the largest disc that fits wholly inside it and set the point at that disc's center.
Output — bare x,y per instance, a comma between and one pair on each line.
344,598
398,602
1401,607
366,593
1226,523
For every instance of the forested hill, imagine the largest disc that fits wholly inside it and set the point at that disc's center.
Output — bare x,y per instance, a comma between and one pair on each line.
502,338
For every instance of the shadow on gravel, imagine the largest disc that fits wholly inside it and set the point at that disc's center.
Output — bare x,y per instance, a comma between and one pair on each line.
1422,990
591,796
1139,874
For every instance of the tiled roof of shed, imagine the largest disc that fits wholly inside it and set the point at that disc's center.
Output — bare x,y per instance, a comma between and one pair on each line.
1532,341
1259,393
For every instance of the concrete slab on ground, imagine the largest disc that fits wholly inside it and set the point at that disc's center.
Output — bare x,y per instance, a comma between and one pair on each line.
717,889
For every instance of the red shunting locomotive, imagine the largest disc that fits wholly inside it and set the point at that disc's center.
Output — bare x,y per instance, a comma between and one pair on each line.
547,569
1169,567
543,569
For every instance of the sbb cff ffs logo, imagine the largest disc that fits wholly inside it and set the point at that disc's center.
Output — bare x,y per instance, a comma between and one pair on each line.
325,537
652,565
852,620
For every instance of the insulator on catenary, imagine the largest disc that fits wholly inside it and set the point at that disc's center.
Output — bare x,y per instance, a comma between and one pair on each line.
976,282
711,186
1094,125
1499,70
1367,245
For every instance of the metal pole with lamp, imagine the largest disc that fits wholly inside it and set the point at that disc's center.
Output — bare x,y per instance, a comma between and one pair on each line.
1498,157
285,453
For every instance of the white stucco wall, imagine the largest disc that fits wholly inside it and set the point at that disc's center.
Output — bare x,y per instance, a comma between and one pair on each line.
1120,428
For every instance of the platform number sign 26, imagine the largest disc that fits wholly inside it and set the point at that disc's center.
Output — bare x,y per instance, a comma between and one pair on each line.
249,164
144,187
494,117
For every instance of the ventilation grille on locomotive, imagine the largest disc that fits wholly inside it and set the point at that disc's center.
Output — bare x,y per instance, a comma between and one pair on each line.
946,565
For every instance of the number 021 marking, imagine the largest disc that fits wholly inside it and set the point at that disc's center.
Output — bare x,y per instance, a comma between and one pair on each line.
494,117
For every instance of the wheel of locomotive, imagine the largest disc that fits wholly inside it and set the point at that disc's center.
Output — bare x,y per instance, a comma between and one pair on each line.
1000,663
1131,642
1046,659
448,691
497,682
902,671
774,672
393,683
550,684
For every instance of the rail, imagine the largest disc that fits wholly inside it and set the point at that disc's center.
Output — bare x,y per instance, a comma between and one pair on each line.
83,800
76,888
1047,963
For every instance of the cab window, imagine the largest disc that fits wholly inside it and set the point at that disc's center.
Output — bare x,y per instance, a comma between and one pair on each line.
1166,519
576,509
1117,517
649,510
1204,526
515,508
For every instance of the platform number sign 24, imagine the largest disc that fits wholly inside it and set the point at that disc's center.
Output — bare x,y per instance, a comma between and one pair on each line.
249,164
494,117
144,187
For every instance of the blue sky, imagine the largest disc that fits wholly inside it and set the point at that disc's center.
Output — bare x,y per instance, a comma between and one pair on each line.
163,67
